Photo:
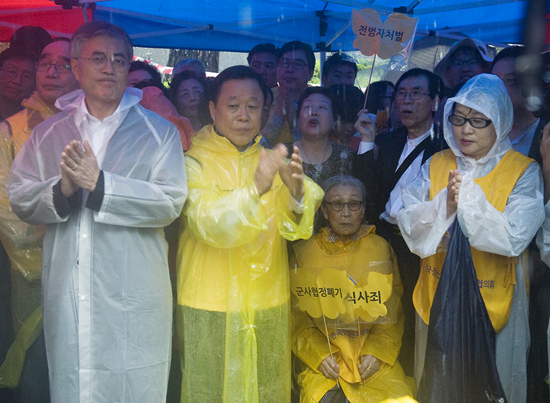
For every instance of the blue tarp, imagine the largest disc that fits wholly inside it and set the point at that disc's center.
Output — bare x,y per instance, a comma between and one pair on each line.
238,25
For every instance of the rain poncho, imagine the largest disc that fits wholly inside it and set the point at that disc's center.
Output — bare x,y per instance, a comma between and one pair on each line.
106,289
23,242
233,282
506,232
365,254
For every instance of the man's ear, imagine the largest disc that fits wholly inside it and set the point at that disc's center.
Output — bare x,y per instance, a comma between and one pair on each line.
212,107
74,63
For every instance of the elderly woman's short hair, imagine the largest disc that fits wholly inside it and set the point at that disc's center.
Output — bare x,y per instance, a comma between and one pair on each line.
345,180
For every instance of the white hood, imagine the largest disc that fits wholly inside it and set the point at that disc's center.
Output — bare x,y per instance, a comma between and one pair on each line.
487,94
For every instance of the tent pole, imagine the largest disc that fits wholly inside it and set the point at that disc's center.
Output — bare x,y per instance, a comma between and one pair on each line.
322,58
83,6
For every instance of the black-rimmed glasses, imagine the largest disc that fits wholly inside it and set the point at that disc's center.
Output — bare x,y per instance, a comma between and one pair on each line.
478,123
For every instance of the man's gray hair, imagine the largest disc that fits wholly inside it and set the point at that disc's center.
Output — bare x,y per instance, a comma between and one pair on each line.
345,180
94,29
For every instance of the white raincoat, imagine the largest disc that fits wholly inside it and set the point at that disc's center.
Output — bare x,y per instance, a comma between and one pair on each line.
423,223
107,301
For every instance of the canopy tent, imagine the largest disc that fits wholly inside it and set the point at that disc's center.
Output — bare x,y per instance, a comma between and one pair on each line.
43,13
238,25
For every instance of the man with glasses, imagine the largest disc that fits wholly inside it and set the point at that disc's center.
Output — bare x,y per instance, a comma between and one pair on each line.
105,175
401,153
294,70
465,59
17,81
23,242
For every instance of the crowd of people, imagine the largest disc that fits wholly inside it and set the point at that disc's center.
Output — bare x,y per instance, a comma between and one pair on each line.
230,222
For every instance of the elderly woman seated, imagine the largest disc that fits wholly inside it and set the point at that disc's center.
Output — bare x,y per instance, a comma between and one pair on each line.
496,195
349,347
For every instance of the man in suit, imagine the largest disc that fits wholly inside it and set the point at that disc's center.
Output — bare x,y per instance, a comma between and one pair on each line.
391,162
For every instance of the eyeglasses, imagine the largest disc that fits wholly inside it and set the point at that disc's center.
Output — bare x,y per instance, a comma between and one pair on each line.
296,65
61,67
11,73
339,206
472,63
415,95
99,61
478,123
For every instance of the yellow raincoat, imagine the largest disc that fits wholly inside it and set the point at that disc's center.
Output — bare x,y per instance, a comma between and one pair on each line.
367,252
22,241
233,282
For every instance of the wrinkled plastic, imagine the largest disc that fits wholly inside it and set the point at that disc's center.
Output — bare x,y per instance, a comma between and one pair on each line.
423,222
10,371
460,364
106,289
233,287
23,244
350,340
404,399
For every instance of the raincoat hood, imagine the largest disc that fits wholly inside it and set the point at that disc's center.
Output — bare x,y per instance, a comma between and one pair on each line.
487,94
34,102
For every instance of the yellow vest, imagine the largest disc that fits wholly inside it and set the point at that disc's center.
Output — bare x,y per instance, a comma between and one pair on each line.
495,273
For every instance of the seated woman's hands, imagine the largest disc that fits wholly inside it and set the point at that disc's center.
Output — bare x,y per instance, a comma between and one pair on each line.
329,368
369,366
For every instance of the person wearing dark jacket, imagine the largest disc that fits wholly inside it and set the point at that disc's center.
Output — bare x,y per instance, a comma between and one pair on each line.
388,164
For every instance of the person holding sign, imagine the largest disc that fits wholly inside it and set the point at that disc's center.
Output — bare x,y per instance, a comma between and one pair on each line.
496,194
347,319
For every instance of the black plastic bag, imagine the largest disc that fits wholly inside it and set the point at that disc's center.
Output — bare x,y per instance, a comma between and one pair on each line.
460,363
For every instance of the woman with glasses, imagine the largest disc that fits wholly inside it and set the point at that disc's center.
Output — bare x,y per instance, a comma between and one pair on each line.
496,195
349,358
188,93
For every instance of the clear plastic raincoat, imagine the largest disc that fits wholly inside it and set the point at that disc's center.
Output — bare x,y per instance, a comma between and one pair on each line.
106,289
507,232
233,281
